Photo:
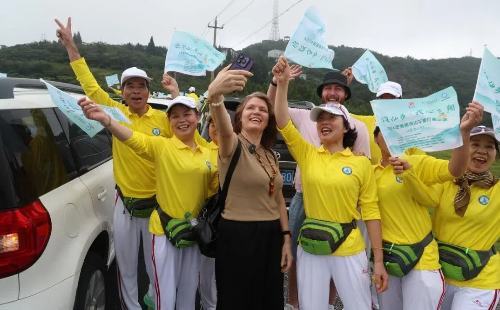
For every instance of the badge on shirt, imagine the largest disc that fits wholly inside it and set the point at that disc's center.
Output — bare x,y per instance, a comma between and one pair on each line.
347,170
156,131
484,200
399,180
209,166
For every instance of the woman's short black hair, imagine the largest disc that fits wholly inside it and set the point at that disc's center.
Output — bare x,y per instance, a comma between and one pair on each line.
350,136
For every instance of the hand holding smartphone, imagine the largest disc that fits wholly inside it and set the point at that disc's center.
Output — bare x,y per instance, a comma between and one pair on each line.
242,62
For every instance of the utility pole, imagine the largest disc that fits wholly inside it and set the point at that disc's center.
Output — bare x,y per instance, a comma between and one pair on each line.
215,39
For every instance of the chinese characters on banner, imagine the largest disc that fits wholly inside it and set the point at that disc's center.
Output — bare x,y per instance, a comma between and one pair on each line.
192,55
112,80
368,70
307,46
488,83
69,106
495,118
430,124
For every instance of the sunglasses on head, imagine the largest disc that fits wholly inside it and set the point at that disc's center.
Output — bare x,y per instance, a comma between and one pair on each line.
481,129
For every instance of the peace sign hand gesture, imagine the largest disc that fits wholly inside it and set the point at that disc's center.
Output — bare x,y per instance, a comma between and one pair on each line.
65,34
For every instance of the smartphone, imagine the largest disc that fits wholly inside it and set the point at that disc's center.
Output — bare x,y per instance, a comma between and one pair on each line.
242,62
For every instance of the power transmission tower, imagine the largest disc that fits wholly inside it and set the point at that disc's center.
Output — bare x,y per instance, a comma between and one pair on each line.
215,39
275,30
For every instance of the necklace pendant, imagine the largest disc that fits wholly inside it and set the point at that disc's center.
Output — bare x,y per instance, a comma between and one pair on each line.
271,188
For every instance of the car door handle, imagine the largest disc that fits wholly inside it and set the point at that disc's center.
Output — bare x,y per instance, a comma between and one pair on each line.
102,195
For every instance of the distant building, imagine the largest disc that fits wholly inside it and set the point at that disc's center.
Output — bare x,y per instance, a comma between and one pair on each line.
286,38
228,51
303,76
275,53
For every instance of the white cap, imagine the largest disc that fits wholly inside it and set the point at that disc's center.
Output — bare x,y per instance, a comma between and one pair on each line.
132,73
192,89
390,88
336,109
186,101
482,130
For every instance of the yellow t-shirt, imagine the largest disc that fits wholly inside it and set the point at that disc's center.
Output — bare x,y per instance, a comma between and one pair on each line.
196,98
116,91
334,185
478,229
184,176
404,200
370,121
214,160
134,175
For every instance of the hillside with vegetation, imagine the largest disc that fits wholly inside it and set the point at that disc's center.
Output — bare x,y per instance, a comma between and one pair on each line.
49,60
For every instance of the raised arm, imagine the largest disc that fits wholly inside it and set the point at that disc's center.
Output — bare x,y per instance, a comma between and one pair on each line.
460,156
170,84
95,112
227,81
281,72
295,71
348,73
88,82
66,36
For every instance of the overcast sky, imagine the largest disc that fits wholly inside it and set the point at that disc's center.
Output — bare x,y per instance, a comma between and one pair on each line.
418,28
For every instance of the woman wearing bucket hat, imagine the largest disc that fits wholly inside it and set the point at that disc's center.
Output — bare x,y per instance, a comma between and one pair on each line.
410,252
335,182
467,226
184,178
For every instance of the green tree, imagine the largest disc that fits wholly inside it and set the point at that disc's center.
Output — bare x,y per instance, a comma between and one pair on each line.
77,38
151,46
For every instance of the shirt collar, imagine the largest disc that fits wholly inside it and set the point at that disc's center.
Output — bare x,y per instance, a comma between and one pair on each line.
149,113
181,145
346,152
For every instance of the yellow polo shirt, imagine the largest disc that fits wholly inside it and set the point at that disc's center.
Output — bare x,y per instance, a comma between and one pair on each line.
116,91
370,122
478,229
194,96
334,185
134,175
184,176
214,153
404,199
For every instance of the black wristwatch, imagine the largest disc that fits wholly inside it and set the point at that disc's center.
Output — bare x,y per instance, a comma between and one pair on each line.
286,232
274,84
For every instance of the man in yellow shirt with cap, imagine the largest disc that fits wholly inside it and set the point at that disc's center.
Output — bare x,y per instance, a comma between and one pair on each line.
135,176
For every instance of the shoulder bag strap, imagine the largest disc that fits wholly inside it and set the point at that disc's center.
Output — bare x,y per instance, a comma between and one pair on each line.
229,175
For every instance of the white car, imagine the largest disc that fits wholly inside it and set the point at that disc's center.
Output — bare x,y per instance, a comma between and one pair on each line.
57,196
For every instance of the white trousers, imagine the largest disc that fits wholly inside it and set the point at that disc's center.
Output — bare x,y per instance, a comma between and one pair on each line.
418,290
366,238
176,273
208,290
127,235
350,274
468,298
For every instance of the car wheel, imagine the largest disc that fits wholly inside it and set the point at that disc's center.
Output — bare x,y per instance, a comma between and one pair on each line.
91,292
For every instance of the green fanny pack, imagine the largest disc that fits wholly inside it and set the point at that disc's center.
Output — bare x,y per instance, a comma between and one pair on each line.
323,237
138,207
400,259
461,263
177,231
